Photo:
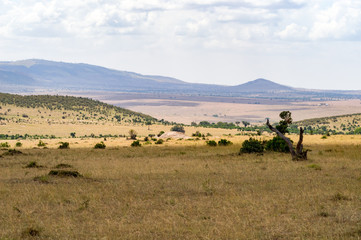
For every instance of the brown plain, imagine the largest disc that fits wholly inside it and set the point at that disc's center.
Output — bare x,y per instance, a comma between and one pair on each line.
182,190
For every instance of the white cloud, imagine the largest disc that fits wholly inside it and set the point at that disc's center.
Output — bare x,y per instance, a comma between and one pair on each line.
182,35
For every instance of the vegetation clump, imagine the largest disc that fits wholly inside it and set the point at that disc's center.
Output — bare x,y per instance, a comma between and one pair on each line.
252,146
30,232
136,144
133,134
12,152
211,143
159,141
5,145
315,166
100,145
41,144
63,165
18,144
64,173
64,145
33,164
224,142
178,128
277,144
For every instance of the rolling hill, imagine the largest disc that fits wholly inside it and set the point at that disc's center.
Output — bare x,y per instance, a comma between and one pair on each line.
71,110
32,75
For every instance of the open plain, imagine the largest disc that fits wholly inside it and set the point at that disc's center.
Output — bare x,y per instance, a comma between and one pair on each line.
181,189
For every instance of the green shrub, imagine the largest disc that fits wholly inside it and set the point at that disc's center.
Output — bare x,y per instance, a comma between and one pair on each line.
5,145
197,134
277,144
100,145
178,128
160,133
41,144
136,144
64,145
211,143
224,142
252,146
159,141
18,144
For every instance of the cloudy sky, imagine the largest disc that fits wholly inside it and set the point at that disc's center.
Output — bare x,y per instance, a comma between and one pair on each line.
311,44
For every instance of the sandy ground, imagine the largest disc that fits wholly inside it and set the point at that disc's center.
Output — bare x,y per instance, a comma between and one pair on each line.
189,111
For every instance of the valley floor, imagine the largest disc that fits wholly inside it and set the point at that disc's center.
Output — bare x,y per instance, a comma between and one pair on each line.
181,190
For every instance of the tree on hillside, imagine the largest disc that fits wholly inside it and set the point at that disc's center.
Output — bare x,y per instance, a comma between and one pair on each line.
245,123
281,129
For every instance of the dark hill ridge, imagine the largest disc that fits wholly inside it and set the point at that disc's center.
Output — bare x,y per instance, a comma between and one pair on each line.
262,85
36,73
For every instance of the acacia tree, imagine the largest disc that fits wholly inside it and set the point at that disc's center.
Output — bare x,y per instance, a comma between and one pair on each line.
281,129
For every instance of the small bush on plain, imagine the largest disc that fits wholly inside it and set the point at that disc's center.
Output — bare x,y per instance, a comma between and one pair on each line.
211,143
100,145
136,144
224,142
277,144
252,146
64,145
159,141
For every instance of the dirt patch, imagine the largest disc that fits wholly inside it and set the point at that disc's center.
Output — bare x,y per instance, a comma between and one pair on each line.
175,135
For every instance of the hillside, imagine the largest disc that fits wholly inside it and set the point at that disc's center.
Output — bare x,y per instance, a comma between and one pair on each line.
28,75
343,124
72,109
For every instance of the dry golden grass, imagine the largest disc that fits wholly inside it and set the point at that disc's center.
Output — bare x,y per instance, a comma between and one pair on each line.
183,190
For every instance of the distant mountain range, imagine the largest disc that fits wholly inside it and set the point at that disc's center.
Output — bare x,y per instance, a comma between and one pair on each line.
30,75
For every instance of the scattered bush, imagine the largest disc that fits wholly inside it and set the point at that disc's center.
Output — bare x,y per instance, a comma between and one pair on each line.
133,134
63,165
41,144
159,141
32,164
178,128
277,144
224,142
324,137
160,133
64,145
136,144
211,143
12,152
252,146
5,145
42,179
18,144
100,145
64,173
197,134
146,139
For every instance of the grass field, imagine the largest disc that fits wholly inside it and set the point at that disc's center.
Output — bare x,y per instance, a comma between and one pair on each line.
182,190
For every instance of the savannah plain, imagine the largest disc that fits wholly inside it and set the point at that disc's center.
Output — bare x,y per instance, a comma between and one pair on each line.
181,189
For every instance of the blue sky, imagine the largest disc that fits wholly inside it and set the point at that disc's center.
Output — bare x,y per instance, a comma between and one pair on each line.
310,44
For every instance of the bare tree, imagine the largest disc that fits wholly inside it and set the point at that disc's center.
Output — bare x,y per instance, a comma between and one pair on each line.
298,154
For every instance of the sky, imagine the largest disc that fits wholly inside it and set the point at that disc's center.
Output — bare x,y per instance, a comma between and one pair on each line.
307,44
